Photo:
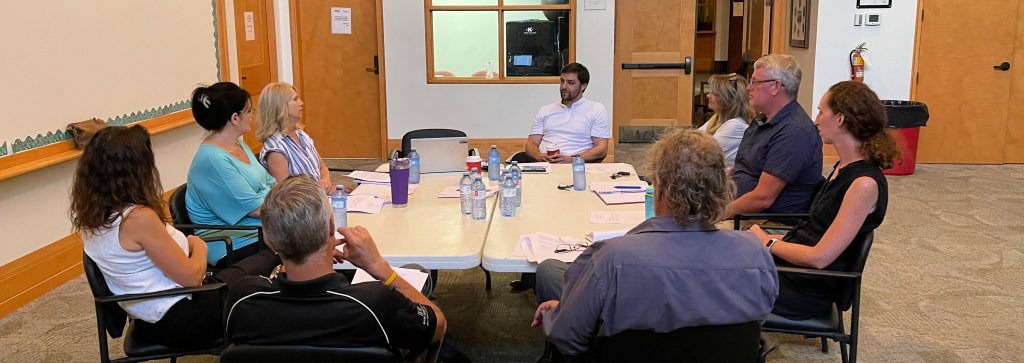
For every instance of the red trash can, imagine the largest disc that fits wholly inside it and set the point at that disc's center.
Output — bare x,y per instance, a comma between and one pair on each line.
905,121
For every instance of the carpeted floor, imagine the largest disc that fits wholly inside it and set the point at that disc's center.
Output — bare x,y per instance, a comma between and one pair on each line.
944,283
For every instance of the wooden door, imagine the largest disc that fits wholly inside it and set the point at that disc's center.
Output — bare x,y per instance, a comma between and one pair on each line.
256,50
1015,117
336,77
968,100
653,32
758,22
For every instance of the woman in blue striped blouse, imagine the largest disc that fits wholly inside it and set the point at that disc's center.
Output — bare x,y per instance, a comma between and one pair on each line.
287,150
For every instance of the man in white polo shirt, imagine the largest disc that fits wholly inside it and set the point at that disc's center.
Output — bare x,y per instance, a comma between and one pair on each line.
575,125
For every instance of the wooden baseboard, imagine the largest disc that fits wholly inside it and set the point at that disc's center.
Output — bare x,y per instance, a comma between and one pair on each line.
39,272
506,147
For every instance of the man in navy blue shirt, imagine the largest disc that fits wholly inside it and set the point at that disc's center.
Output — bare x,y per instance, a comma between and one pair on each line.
778,165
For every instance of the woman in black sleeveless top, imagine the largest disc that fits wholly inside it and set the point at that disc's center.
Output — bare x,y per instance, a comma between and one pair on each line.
851,203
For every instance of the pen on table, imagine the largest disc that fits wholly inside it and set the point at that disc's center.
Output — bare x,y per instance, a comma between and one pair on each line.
628,187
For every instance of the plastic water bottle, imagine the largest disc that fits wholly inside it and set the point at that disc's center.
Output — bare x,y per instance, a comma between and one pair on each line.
516,173
579,173
479,199
493,163
508,196
339,205
414,166
466,193
649,202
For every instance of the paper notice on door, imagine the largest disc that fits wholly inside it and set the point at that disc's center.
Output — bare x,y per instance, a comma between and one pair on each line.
250,26
341,20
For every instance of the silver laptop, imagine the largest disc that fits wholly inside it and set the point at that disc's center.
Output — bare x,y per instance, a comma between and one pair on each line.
442,154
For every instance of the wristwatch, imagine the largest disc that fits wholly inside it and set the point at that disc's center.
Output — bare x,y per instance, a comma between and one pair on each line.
771,242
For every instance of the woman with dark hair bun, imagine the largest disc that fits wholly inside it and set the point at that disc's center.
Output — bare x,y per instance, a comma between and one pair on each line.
116,206
226,183
850,204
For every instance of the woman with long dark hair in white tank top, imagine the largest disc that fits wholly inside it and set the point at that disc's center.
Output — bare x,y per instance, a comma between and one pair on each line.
116,205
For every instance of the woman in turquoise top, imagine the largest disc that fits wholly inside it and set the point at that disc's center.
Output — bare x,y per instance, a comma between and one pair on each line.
226,183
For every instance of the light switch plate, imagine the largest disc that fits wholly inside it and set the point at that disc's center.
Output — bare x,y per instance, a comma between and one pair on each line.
858,19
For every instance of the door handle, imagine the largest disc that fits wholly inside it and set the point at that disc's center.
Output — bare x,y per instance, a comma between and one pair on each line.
652,66
376,66
1005,66
687,65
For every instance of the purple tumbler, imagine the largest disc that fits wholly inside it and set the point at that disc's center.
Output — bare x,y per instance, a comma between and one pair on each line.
398,169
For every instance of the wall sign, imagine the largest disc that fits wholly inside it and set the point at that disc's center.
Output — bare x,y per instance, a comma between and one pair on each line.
868,4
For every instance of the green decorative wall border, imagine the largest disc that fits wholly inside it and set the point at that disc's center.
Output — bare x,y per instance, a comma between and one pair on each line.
55,136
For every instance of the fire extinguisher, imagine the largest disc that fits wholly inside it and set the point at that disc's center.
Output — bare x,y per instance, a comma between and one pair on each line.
857,63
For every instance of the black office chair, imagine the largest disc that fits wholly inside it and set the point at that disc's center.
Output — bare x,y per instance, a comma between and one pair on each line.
110,319
830,326
240,353
243,353
426,134
179,215
707,343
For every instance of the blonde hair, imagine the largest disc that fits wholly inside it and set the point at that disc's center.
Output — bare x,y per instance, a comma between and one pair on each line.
274,110
732,99
689,168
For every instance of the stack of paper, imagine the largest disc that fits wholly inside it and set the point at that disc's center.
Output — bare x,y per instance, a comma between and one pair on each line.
416,278
453,192
379,190
616,217
543,167
538,247
620,192
365,204
609,168
364,177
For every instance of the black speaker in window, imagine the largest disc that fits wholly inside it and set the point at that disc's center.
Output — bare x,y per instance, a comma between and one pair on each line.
532,47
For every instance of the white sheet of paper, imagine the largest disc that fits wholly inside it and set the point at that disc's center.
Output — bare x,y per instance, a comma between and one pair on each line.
542,247
416,278
250,26
365,204
453,192
616,217
370,176
379,190
609,168
341,20
596,236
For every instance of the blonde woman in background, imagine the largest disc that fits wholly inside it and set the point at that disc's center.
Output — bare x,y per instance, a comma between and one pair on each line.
287,150
729,99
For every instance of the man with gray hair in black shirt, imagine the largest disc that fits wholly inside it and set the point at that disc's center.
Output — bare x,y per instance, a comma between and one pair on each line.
313,305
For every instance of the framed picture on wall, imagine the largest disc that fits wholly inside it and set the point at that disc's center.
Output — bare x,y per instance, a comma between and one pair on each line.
799,23
869,4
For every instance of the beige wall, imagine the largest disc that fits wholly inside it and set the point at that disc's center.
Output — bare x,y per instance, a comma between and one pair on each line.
805,57
33,207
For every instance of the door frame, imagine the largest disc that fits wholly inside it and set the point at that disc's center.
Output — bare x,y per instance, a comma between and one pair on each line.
271,37
381,76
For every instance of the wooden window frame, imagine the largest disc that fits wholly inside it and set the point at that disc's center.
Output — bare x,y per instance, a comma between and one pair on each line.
500,8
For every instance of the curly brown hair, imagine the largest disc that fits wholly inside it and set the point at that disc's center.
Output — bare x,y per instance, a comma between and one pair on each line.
865,118
117,170
690,177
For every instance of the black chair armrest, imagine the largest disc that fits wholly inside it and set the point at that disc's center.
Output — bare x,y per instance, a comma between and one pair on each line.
821,273
748,216
219,227
170,292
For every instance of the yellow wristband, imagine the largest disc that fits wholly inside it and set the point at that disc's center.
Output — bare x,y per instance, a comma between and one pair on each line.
391,279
